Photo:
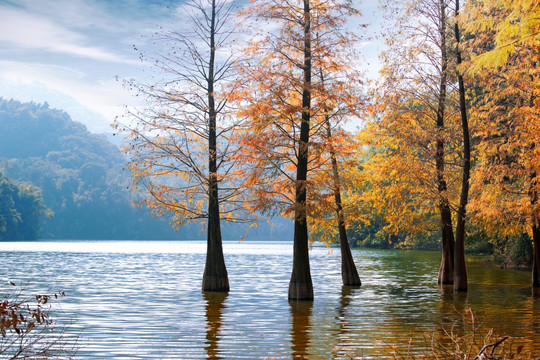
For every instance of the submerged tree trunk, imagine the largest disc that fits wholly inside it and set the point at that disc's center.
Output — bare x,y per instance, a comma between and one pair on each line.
349,274
460,269
215,276
536,254
447,263
535,230
300,286
446,270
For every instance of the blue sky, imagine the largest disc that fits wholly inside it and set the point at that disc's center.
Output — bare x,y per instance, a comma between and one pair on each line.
70,52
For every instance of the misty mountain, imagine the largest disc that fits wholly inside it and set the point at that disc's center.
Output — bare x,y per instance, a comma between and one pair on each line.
81,178
79,173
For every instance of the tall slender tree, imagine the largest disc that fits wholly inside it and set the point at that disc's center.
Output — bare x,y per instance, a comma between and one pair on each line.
441,92
506,43
446,271
414,129
300,286
337,142
460,269
180,145
281,101
349,273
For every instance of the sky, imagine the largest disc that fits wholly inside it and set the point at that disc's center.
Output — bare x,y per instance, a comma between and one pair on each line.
74,54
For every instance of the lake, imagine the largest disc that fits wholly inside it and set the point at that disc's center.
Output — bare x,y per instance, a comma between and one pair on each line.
142,300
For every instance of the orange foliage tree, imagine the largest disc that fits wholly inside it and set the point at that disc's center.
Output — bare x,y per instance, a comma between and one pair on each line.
288,109
336,149
180,146
412,177
505,36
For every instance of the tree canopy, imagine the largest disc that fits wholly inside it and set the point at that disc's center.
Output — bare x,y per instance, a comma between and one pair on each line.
21,209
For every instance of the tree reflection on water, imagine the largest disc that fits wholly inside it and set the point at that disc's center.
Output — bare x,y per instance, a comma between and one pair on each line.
215,303
301,314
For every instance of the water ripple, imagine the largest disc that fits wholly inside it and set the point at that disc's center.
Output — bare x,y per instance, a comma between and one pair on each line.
142,300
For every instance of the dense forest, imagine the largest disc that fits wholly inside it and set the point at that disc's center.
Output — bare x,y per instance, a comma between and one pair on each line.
78,174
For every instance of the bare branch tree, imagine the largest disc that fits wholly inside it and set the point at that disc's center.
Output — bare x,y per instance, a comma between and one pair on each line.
180,145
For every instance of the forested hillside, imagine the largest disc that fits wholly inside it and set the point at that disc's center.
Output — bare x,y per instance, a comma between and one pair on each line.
79,174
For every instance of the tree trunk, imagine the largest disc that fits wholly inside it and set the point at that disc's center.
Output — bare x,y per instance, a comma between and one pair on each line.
300,286
535,219
215,276
446,269
536,254
349,273
460,269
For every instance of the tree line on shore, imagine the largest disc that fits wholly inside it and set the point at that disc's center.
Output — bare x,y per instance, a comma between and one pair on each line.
236,124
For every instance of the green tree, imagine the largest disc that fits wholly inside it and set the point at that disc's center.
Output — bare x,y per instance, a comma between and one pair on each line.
79,173
21,208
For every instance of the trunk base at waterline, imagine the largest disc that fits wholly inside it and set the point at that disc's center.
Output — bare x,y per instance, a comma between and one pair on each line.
215,283
299,291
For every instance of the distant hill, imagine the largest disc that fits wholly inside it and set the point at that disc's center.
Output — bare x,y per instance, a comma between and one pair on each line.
79,173
82,181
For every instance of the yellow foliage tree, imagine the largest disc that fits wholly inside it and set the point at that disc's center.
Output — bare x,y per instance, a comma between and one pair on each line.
514,23
412,176
506,40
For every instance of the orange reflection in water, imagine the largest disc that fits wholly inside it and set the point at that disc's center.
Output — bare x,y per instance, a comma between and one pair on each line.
301,313
215,303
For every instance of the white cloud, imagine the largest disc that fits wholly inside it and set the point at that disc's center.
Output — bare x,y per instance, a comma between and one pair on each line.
71,13
20,29
67,53
52,83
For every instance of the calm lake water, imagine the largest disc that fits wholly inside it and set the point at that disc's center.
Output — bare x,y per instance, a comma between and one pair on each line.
142,300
